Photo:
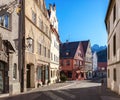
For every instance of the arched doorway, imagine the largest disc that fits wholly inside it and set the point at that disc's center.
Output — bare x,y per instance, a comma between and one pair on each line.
30,76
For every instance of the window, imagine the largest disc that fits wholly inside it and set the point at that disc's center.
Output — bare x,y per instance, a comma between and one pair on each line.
33,17
45,28
67,62
114,13
48,53
51,74
39,73
114,45
69,74
45,51
39,48
80,63
114,74
47,73
108,73
5,21
61,64
67,52
40,23
51,56
15,71
108,51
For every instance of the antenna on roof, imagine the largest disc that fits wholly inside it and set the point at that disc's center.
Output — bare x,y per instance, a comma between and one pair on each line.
68,38
67,41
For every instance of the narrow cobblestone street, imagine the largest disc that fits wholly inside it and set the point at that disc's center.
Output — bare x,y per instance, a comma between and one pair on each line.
74,90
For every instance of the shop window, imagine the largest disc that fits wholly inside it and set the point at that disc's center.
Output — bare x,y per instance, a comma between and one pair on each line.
15,71
46,76
39,73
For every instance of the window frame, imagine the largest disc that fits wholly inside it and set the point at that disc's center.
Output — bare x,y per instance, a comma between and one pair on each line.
114,44
114,74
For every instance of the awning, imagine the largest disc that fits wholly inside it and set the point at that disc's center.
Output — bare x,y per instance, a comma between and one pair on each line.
9,46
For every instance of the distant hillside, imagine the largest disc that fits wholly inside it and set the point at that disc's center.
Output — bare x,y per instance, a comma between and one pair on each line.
102,55
97,48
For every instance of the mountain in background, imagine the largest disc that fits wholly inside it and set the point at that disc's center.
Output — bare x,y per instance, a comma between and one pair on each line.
102,55
97,48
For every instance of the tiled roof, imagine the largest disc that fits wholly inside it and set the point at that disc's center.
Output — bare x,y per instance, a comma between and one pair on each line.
85,45
68,49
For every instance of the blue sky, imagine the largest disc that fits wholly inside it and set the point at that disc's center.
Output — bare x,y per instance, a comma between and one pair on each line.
81,20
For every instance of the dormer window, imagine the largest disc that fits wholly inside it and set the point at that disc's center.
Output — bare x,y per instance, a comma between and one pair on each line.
67,52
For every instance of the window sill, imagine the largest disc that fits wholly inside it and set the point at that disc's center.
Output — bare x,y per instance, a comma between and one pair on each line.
5,28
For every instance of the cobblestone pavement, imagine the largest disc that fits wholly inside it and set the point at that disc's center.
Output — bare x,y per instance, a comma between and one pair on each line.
75,90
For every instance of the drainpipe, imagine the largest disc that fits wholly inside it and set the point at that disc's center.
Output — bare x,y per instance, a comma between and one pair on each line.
21,42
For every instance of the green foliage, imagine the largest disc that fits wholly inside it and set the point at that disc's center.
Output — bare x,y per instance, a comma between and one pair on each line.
63,77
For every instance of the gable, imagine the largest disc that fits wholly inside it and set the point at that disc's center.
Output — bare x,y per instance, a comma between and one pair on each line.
88,50
67,50
79,52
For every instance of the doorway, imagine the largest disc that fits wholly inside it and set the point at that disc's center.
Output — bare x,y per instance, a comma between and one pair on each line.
28,75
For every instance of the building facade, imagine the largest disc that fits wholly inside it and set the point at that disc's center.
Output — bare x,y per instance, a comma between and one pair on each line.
94,57
112,22
54,61
9,71
102,63
95,64
72,60
26,29
38,44
87,58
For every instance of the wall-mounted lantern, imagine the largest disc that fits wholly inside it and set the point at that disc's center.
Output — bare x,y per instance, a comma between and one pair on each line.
29,42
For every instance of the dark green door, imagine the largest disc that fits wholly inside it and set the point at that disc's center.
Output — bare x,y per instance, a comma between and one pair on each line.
28,76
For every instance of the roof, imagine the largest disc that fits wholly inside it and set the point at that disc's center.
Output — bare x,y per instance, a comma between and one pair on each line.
85,45
9,45
68,49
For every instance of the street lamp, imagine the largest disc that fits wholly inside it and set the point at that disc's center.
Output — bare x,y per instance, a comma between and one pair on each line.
29,42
